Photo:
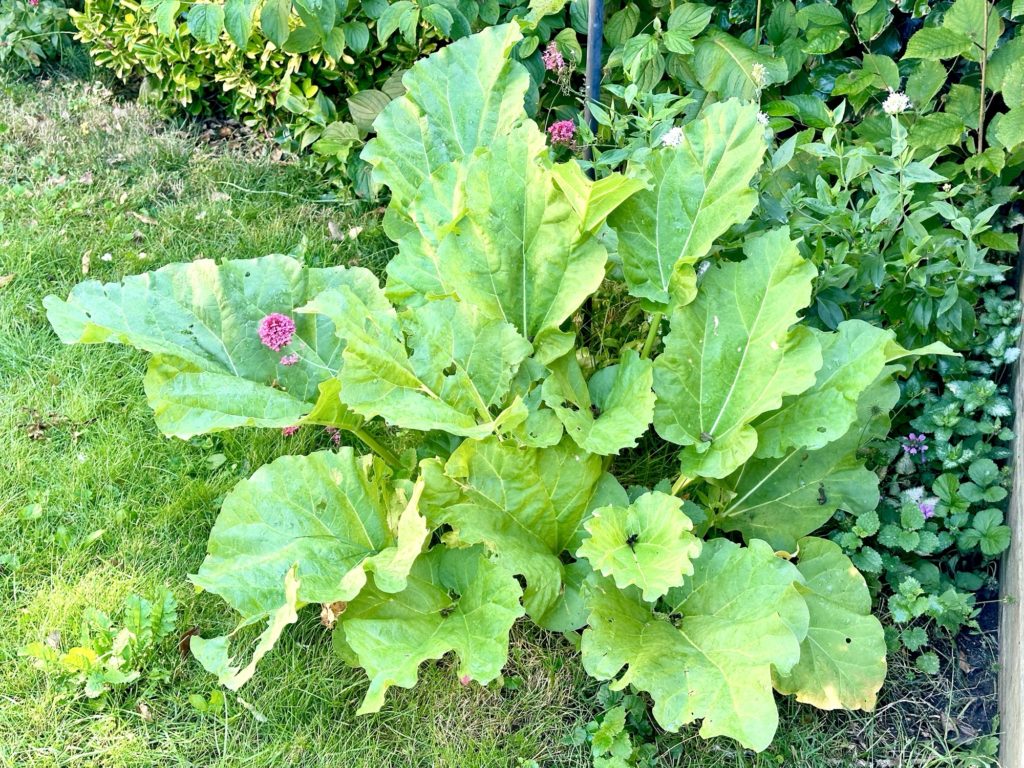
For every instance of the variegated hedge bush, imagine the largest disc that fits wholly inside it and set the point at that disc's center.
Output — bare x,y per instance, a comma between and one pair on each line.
709,592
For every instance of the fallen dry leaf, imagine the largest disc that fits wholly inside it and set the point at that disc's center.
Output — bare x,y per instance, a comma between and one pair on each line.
5,280
335,231
220,197
142,217
329,613
185,642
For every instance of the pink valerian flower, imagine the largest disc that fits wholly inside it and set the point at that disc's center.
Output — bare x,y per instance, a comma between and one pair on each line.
464,680
335,434
552,58
562,132
289,431
276,331
33,3
289,359
915,445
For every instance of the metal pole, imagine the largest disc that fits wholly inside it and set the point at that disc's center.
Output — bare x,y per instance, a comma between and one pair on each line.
595,33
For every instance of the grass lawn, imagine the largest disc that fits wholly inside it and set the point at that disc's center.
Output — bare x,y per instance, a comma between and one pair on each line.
95,504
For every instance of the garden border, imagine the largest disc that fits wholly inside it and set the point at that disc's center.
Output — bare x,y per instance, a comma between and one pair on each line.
1011,614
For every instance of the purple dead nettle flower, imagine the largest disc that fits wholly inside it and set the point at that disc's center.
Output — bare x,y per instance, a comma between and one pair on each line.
927,508
291,359
552,58
289,431
276,331
915,444
562,132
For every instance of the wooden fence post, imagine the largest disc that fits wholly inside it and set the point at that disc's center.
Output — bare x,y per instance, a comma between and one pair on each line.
1011,589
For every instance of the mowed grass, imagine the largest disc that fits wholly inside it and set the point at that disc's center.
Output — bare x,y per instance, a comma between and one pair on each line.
95,504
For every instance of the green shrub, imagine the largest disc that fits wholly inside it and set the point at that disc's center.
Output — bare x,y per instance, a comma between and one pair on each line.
33,32
295,90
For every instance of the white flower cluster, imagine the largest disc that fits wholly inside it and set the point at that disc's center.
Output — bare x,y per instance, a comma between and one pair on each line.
672,138
763,119
896,103
759,75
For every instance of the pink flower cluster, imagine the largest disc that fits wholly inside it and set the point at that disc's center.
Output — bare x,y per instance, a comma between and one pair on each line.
552,58
33,3
289,431
276,331
562,132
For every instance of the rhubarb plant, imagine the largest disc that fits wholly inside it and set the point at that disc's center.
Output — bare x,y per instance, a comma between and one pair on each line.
709,592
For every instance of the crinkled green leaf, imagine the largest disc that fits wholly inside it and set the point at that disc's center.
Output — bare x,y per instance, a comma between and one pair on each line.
842,659
738,617
700,189
331,516
520,253
784,498
781,499
214,653
415,274
461,364
853,358
647,544
526,505
456,600
732,356
210,371
611,411
593,201
459,99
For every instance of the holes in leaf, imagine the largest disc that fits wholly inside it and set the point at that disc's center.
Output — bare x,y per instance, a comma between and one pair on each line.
849,640
632,540
569,405
450,370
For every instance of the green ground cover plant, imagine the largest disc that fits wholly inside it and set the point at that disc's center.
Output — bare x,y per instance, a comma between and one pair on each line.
506,503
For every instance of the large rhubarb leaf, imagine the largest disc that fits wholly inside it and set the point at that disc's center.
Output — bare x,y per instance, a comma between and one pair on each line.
459,99
462,361
415,274
853,358
784,498
733,354
842,659
526,505
334,516
215,653
200,320
700,189
647,544
608,413
456,600
520,252
711,657
781,499
305,529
